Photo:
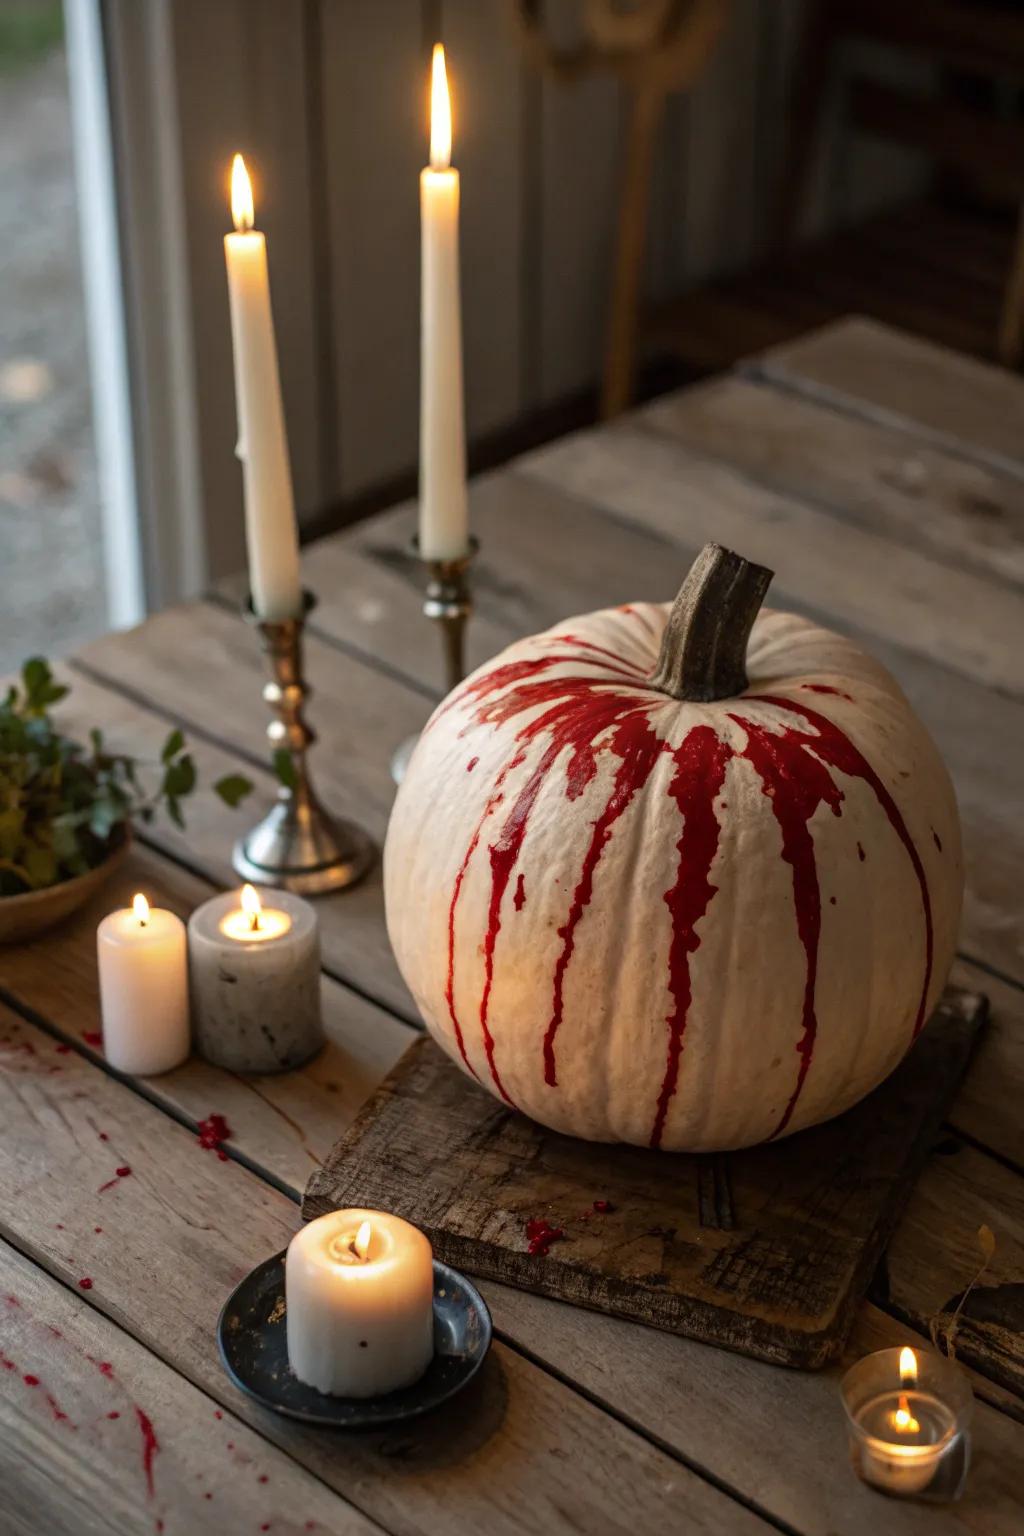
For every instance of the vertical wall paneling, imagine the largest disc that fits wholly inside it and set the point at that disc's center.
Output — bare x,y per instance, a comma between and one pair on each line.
241,84
722,157
580,155
487,82
375,128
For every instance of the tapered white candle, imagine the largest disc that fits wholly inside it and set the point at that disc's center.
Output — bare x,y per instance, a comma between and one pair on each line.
143,989
359,1292
444,515
270,527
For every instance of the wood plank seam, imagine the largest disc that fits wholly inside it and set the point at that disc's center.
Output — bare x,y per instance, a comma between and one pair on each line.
349,648
188,1122
10,1238
26,1248
761,371
832,509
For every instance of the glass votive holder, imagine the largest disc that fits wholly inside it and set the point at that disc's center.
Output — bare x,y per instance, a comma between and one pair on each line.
909,1416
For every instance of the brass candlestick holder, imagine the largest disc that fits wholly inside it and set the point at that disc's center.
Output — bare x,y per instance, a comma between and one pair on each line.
449,601
297,846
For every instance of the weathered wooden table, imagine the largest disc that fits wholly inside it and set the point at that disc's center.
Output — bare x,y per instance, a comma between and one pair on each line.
884,481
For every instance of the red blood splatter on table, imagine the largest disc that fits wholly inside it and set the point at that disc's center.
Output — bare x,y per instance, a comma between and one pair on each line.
263,1478
212,1131
62,1050
92,1037
580,717
59,1226
603,1207
119,1173
113,1414
103,1136
217,1413
85,1283
540,1234
105,1369
150,1445
30,1380
97,1229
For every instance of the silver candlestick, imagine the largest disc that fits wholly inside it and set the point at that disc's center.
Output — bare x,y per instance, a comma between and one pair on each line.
449,602
297,846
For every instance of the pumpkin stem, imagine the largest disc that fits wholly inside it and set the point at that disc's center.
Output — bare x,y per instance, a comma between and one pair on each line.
704,647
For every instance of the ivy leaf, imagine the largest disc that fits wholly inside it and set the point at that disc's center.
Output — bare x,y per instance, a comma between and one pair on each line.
179,778
105,815
174,811
233,789
284,767
172,746
40,688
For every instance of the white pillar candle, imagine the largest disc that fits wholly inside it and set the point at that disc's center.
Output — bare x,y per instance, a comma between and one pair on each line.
270,527
359,1294
254,960
143,966
444,515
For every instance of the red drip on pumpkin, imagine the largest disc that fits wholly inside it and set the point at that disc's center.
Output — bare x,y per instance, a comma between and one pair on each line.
701,761
796,782
519,899
838,751
638,748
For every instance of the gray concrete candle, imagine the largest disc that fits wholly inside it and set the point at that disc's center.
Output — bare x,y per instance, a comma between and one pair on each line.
254,975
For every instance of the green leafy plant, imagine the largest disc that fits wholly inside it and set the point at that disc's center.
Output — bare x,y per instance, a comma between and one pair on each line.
65,806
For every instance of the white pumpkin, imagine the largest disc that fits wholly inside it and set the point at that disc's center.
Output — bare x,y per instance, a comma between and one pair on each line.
688,925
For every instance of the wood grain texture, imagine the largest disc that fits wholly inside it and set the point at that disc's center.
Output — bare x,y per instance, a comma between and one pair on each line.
519,1452
75,1391
972,625
677,1390
775,1269
967,514
286,1123
940,396
353,943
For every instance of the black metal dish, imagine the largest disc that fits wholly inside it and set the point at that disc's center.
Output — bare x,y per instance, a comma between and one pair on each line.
252,1338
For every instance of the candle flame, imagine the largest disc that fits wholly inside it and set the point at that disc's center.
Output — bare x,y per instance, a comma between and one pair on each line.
440,113
361,1241
252,906
908,1368
902,1419
241,196
140,907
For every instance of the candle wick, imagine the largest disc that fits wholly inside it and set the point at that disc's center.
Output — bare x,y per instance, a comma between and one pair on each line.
254,923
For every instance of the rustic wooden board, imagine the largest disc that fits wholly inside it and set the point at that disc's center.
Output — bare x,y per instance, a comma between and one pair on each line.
766,1251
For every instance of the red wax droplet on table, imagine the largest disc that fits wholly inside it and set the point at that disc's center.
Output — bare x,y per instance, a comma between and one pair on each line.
85,1284
113,1414
92,1037
602,1206
103,1136
263,1478
30,1381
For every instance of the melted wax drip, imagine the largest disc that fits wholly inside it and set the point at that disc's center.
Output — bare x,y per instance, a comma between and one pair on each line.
584,716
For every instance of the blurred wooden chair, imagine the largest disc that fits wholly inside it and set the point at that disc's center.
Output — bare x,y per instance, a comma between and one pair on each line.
950,268
654,47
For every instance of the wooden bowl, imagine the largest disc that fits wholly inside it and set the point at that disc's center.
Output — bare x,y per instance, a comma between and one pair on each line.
26,916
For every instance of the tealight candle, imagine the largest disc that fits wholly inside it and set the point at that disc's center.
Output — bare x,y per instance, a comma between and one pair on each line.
359,1297
255,977
143,967
909,1418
